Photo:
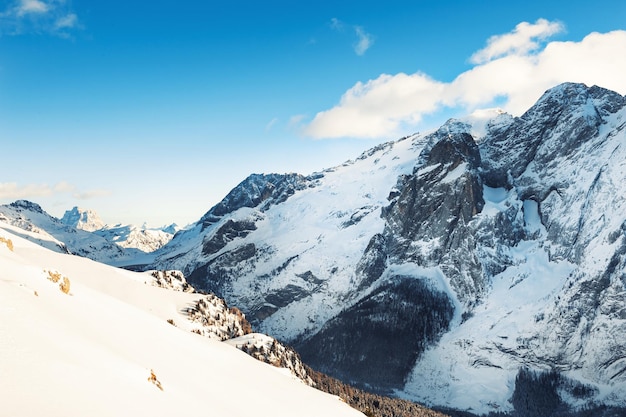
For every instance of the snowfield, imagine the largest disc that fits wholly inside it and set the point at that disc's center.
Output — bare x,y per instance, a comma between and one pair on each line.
105,348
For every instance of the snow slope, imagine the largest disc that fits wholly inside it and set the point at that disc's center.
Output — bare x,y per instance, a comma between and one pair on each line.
105,347
313,241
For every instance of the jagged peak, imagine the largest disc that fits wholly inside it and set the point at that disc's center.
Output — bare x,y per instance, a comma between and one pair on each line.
254,191
27,205
83,219
573,96
452,126
452,141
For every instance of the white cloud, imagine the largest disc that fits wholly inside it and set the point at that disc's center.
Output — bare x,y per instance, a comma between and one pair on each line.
296,121
38,16
336,24
365,40
512,69
31,6
11,190
521,40
14,191
66,22
377,107
271,124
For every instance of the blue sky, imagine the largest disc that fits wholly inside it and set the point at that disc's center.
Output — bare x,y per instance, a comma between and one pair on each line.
153,111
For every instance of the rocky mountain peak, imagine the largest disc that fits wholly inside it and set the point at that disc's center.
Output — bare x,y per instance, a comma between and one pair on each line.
436,204
258,190
83,219
452,147
561,121
27,205
597,101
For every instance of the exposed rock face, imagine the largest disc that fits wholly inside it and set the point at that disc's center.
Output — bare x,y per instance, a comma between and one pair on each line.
226,233
437,203
25,205
172,280
439,265
258,190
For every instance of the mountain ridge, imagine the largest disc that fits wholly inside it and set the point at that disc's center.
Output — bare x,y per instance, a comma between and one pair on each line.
82,232
462,215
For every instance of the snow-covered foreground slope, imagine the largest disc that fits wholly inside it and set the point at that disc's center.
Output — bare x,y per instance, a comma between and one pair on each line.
104,348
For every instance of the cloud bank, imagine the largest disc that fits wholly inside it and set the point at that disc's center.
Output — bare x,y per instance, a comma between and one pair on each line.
38,16
14,191
514,68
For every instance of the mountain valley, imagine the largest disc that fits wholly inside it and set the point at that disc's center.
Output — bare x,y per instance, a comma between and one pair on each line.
460,268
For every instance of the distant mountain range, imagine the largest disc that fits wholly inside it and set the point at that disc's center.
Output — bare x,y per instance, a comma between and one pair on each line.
478,267
82,232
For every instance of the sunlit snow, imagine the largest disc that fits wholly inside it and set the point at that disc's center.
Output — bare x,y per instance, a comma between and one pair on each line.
101,349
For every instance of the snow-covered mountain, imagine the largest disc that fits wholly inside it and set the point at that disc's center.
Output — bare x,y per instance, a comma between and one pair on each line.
82,219
454,267
82,232
127,236
56,235
131,236
81,338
